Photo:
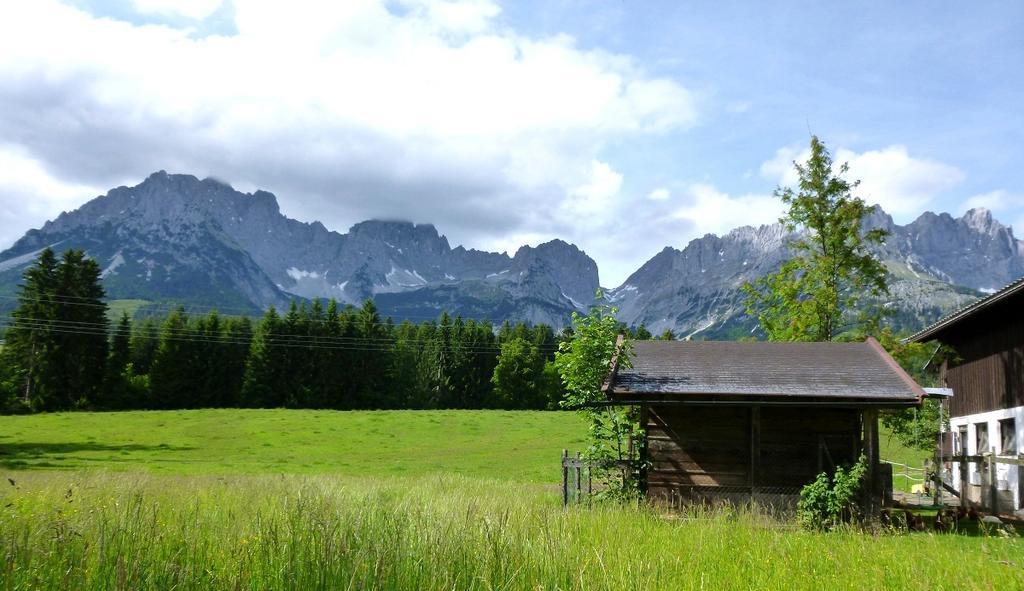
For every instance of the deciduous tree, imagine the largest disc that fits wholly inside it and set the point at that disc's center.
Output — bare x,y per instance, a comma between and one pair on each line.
817,294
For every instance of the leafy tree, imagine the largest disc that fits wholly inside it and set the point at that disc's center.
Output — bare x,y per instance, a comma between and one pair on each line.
642,334
518,376
668,335
918,428
816,295
583,364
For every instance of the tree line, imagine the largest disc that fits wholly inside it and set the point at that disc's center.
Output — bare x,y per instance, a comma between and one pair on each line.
61,352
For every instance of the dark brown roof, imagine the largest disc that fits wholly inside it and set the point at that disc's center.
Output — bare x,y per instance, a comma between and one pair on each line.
829,371
931,332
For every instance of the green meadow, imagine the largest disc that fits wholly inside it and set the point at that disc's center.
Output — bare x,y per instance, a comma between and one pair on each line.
523,446
278,499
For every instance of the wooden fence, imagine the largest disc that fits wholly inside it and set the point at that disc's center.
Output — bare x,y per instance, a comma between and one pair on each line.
578,477
986,465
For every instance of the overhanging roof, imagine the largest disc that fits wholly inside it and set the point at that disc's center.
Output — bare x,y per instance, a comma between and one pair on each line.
823,372
929,333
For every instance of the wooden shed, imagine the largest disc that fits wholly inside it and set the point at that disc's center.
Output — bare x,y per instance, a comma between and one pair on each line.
739,421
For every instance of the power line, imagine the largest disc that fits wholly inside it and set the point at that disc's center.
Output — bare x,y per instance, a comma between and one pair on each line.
284,340
69,300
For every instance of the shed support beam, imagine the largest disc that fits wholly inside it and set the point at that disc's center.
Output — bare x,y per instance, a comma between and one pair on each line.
871,485
755,447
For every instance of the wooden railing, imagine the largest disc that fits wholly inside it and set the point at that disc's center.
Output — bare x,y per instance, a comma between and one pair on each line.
576,470
988,463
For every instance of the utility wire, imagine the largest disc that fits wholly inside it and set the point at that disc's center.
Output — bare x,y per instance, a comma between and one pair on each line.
203,310
299,341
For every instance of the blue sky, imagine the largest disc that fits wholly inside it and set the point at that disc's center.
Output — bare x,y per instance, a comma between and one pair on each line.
622,127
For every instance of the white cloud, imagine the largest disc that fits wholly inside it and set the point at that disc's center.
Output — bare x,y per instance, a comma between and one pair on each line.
711,211
903,185
427,109
469,16
596,194
23,181
193,9
659,194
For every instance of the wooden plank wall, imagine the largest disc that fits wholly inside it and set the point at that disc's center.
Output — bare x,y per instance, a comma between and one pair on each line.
989,374
696,446
694,451
790,440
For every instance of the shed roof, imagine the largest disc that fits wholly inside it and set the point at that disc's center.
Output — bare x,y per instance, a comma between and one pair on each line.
1015,288
838,372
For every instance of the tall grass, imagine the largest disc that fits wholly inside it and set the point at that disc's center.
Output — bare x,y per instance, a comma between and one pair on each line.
66,530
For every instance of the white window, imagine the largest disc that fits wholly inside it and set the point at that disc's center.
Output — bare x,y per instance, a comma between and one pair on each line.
1008,436
981,438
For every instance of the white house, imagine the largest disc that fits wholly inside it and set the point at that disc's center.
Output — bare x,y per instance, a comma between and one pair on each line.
986,374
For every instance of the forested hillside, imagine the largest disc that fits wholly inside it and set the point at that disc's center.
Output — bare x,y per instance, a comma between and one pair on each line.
313,355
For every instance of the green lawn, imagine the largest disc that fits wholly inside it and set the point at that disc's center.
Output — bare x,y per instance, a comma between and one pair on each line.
117,307
522,446
291,499
894,451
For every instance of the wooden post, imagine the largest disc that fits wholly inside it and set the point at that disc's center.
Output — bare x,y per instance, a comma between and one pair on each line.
755,447
644,451
579,476
963,476
993,492
871,452
565,477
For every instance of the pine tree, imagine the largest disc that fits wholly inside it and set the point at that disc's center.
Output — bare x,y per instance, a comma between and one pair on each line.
371,369
82,353
145,340
31,338
115,393
237,340
58,341
172,375
263,368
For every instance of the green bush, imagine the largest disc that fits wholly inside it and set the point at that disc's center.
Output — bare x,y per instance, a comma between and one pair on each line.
829,501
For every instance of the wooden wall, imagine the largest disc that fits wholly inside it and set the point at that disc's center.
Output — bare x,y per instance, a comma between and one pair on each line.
698,452
989,372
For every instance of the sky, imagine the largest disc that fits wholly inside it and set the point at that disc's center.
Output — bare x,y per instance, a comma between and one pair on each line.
620,126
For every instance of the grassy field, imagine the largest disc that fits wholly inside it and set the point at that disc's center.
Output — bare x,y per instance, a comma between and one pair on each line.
117,307
521,446
72,530
228,499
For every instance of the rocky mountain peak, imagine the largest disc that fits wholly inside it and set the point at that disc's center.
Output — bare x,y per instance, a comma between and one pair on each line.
175,237
401,236
980,220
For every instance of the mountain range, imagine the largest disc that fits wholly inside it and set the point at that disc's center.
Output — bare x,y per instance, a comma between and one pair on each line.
176,238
